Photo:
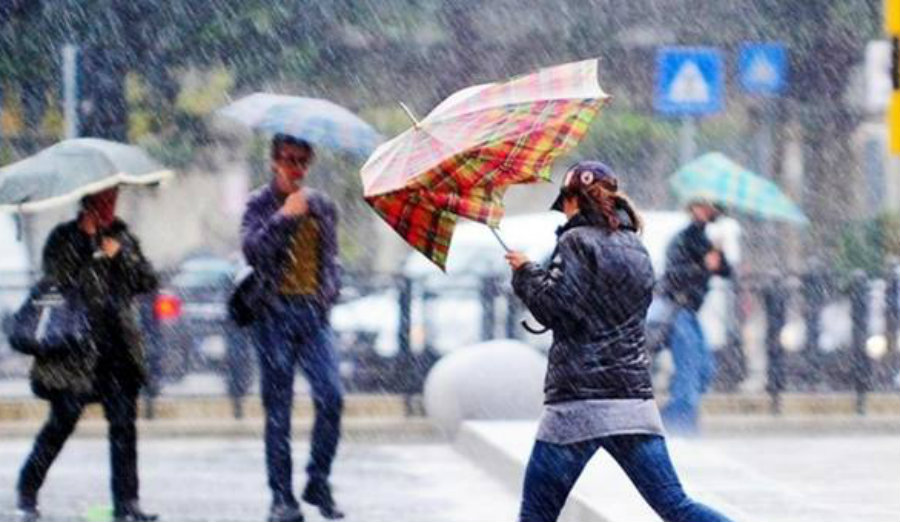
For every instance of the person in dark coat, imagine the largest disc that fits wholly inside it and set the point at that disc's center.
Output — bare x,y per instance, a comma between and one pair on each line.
95,260
289,237
594,296
691,261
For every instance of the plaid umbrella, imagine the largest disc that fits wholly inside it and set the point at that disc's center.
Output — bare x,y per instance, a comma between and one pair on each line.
317,121
716,178
460,159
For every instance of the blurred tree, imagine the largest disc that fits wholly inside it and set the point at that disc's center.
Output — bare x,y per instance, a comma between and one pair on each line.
868,245
826,39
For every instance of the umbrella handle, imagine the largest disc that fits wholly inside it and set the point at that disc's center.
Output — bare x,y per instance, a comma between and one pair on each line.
499,239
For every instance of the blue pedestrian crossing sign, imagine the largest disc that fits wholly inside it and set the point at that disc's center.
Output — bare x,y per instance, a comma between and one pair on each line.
689,81
762,68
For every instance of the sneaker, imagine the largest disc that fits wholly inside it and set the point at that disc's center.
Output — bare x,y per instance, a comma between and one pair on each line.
319,495
284,513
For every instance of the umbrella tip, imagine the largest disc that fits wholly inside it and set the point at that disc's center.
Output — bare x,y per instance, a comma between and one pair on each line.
410,114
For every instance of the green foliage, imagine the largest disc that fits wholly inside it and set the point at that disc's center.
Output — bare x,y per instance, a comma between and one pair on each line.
868,245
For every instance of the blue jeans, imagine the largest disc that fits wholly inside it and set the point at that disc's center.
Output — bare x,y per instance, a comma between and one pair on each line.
554,468
694,369
296,334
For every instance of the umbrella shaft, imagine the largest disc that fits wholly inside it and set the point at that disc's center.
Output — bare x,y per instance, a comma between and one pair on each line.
499,239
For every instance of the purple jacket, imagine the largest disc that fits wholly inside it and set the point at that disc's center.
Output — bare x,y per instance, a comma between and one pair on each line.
266,236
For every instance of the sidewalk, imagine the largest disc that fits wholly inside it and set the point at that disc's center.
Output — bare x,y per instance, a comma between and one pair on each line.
771,479
223,480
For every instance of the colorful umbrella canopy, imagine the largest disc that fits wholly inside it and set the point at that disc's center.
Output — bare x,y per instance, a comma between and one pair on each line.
460,159
72,169
317,121
715,178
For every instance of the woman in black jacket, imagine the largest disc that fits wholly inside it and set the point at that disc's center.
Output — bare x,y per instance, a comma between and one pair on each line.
594,295
95,261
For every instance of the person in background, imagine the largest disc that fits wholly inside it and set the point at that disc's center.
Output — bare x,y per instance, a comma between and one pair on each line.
289,235
95,260
594,296
691,260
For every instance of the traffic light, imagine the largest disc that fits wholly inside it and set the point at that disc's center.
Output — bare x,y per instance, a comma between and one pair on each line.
892,17
892,26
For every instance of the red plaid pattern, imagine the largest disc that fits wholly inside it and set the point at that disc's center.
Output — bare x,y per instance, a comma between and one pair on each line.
506,144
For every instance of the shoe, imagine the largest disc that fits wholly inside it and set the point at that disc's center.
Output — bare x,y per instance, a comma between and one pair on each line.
285,513
26,509
319,495
131,512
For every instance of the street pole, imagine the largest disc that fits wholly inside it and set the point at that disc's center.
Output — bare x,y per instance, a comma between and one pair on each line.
687,139
764,150
70,89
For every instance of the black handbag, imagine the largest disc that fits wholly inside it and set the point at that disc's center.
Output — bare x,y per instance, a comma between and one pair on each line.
48,323
245,303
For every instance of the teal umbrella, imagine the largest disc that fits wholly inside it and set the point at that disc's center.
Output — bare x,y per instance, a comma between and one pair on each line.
715,178
71,169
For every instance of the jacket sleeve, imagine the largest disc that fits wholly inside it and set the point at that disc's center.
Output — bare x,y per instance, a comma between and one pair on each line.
131,269
62,264
331,266
264,235
552,293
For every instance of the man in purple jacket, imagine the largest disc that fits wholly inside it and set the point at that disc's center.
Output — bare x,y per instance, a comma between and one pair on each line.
289,235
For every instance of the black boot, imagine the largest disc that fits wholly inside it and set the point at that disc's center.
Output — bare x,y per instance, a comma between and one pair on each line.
131,512
26,508
284,512
319,495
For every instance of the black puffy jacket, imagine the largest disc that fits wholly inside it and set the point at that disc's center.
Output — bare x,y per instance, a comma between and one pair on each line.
686,279
108,287
594,295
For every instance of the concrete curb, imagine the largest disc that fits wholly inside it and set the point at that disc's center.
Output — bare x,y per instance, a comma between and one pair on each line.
369,430
776,425
504,464
193,407
605,494
202,407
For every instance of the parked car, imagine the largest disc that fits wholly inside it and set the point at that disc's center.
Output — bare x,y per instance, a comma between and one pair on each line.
190,330
447,306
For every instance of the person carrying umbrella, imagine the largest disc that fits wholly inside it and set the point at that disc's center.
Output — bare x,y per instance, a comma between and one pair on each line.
289,236
706,186
95,260
691,261
594,296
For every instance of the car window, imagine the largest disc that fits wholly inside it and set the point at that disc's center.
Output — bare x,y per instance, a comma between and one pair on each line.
203,272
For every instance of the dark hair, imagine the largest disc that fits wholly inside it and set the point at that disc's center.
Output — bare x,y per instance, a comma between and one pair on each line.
281,139
601,202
